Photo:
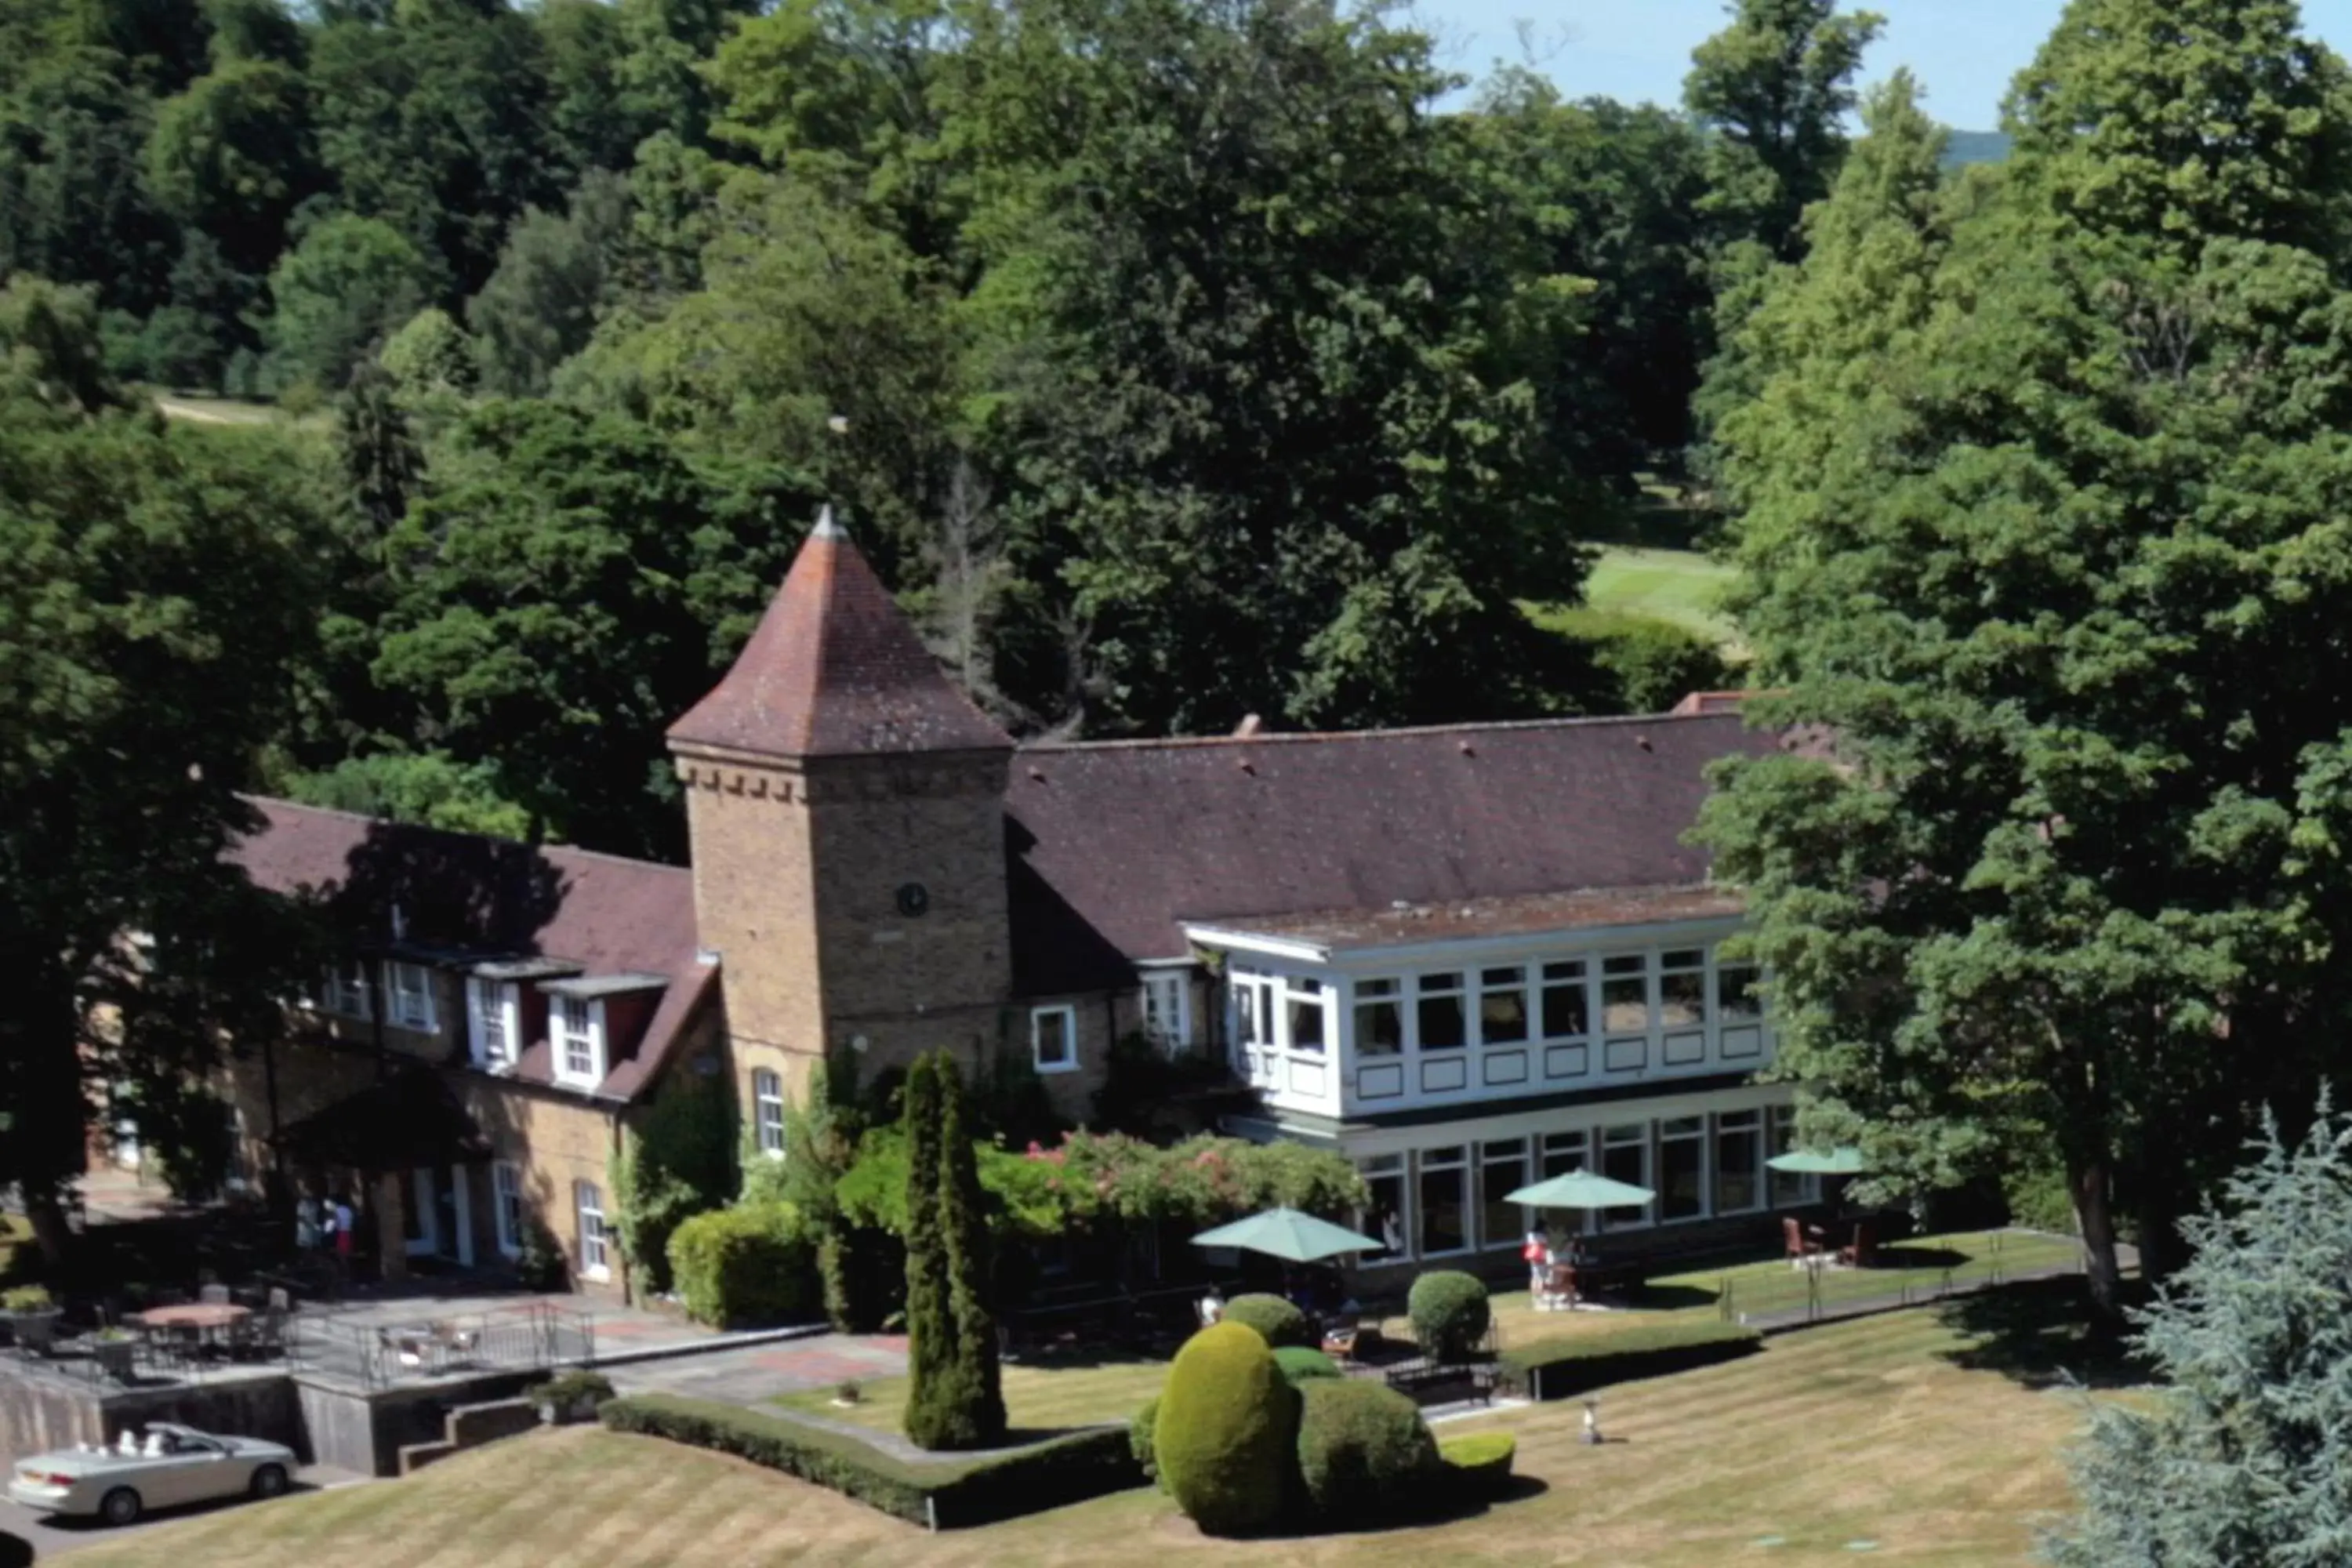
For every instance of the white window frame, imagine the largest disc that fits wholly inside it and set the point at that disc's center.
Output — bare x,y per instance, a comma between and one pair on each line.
408,998
768,1112
1702,1137
493,1023
1383,1165
1464,1153
584,1034
1167,1005
506,1206
345,993
588,1209
1068,1029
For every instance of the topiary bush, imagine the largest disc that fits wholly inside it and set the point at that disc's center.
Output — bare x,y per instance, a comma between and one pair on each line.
1277,1322
1364,1451
1226,1429
1449,1314
1140,1433
1299,1364
1479,1464
749,1263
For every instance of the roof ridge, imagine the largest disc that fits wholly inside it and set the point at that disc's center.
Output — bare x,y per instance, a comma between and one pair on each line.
572,850
1565,721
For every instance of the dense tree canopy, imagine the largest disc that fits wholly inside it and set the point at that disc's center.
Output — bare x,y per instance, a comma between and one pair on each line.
2042,520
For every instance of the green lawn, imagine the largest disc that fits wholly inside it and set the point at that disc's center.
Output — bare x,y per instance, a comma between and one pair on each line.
1888,1437
1680,586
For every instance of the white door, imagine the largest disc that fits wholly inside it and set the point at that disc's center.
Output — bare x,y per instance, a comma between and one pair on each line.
424,1236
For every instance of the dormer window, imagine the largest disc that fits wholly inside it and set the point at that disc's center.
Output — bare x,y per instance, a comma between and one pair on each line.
492,1022
579,1041
408,998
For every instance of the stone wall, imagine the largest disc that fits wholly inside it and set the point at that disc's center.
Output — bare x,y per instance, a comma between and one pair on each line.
44,1411
469,1426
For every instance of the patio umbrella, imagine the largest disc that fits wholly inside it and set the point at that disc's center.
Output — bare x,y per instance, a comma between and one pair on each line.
1287,1234
1843,1161
1580,1190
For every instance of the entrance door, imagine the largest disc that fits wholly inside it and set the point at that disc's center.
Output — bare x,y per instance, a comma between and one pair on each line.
422,1232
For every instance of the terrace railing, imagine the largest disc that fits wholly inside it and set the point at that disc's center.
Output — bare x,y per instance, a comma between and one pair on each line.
530,1337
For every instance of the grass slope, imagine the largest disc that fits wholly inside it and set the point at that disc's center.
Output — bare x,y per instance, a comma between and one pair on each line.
1680,586
1879,1430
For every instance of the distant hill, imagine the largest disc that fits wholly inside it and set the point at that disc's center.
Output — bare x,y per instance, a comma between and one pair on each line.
1976,147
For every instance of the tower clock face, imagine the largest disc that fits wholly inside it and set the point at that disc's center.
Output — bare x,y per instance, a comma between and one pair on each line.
913,899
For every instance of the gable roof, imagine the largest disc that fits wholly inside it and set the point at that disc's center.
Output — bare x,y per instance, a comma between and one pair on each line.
466,895
836,670
1114,847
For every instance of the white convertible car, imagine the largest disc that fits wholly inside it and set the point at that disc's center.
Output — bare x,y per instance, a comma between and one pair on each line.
171,1465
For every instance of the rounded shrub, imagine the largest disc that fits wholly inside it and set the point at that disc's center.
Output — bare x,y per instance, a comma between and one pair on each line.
1449,1314
1364,1451
1140,1432
747,1265
1479,1464
1277,1321
1226,1428
1299,1363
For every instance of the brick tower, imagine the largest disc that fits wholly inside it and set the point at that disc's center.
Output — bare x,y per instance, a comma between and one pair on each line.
845,807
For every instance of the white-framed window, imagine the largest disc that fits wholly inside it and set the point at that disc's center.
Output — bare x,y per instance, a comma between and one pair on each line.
1682,988
1167,1008
1566,1151
1438,1021
492,1022
1567,1005
1789,1188
1053,1038
579,1041
1738,1155
1444,1201
1380,1017
1626,994
1502,1168
506,1206
408,998
345,993
1736,999
1389,1214
1682,1169
768,1112
1625,1157
1503,1006
1305,1015
590,1205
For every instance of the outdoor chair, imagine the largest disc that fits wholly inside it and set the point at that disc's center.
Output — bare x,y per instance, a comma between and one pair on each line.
1556,1293
1862,1252
280,1299
1798,1248
213,1295
1340,1341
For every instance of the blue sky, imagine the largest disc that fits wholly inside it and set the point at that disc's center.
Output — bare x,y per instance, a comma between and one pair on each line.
1964,50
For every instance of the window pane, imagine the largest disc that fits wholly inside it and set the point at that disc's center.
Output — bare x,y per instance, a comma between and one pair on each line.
1625,1157
1739,1149
1788,1189
1682,1172
1734,994
1503,1014
1379,1028
1685,958
1503,1168
1306,1023
1625,963
1566,1013
1384,1216
1563,1152
1442,1023
1429,983
1440,1210
1682,999
1625,1005
1376,987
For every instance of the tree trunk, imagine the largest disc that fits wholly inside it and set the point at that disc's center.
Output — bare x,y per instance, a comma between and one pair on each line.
2087,1183
50,1231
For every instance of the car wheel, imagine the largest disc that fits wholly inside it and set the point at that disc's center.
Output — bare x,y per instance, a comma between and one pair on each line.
120,1506
269,1481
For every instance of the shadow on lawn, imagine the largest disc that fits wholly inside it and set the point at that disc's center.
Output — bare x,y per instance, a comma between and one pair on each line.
1904,1255
2041,1333
1521,1489
1672,1297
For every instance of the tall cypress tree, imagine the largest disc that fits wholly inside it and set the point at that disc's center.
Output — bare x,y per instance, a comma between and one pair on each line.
978,1404
931,1331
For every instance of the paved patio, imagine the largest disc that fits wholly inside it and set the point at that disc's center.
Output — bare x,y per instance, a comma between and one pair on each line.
753,1374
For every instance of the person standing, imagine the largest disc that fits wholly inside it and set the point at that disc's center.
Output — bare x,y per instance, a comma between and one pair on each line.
343,1220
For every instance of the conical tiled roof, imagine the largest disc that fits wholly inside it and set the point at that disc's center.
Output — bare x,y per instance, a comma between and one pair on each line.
835,670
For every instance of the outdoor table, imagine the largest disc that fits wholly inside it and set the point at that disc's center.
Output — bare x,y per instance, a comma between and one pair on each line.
203,1316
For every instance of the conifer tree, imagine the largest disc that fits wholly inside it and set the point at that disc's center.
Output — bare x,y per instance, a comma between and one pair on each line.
978,1401
2246,1456
931,1328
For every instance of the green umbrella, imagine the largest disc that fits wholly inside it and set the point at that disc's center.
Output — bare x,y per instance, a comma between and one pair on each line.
1580,1190
1289,1235
1843,1161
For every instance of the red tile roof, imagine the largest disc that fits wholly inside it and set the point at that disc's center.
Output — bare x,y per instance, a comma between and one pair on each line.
1114,847
835,670
489,895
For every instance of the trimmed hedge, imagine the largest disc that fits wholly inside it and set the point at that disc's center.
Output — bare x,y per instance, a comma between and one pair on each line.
1300,1364
1278,1323
1227,1424
1557,1368
1479,1464
1364,1452
752,1264
946,1496
1449,1314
